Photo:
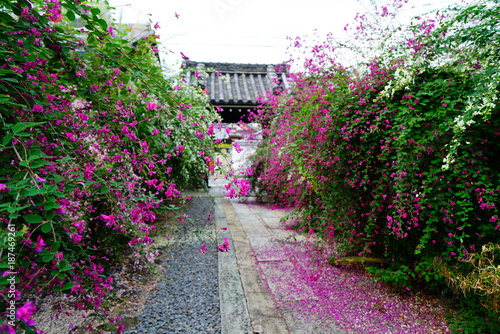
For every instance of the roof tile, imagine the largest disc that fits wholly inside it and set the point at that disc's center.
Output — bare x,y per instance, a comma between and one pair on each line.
239,84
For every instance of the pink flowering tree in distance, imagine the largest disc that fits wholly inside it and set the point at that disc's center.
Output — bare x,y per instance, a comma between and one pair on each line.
92,147
389,146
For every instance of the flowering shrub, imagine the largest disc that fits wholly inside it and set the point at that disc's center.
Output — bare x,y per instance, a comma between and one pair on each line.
95,140
395,156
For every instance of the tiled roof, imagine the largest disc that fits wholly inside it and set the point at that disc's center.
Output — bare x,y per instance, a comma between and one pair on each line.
237,84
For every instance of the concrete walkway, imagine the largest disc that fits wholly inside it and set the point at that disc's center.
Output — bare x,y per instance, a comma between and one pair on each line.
254,275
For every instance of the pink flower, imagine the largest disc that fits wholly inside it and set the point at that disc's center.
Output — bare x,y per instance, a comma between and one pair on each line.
108,219
237,147
76,238
151,106
172,191
7,329
231,193
203,248
70,136
39,244
179,149
210,130
111,32
37,108
225,246
3,188
25,313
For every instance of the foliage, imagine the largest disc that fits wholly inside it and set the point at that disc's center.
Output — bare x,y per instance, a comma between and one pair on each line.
396,155
483,279
95,139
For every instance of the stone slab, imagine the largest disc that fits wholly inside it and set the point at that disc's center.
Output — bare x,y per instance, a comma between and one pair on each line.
233,308
282,284
268,249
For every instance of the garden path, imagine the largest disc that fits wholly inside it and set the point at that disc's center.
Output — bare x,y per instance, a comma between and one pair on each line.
276,281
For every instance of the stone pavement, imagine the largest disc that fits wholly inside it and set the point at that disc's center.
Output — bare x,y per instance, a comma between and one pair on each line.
254,275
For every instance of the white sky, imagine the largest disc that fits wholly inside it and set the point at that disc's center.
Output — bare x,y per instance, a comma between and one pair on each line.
244,31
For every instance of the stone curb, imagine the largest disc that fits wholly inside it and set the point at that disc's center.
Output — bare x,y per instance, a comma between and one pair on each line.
233,306
264,316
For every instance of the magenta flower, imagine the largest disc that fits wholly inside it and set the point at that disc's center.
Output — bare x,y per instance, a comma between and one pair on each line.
25,313
75,238
37,108
108,219
225,246
179,149
210,130
3,188
203,248
7,329
39,244
70,136
237,147
151,106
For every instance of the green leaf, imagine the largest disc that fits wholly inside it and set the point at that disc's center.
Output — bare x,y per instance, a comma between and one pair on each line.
51,205
48,258
103,24
49,215
68,285
63,265
33,218
46,228
40,163
95,11
71,15
17,128
33,192
55,246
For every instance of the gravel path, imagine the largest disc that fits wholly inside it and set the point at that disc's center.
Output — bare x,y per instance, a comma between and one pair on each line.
186,299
